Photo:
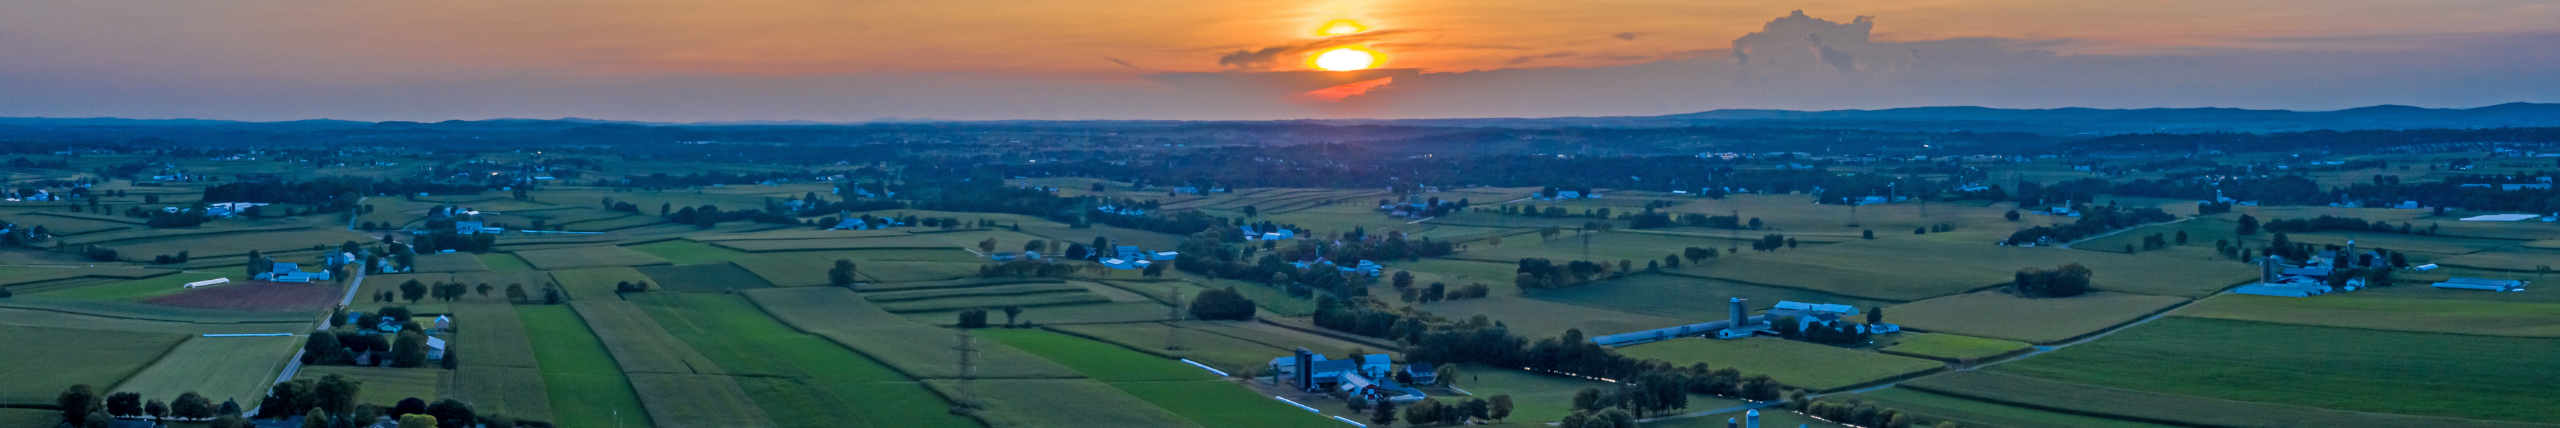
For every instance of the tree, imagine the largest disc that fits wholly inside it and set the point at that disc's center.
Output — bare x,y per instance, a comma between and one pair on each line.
1426,412
1446,375
413,290
1382,413
417,421
1868,234
2248,225
1222,304
452,414
77,403
409,350
484,290
1011,312
842,275
156,409
2182,237
1875,315
1403,280
987,246
98,418
124,404
973,318
191,405
1498,407
1250,211
315,419
515,292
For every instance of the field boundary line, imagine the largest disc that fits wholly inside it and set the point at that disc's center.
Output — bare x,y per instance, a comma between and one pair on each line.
1790,287
1335,335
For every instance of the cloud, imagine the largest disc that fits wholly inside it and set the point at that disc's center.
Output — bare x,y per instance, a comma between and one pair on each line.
1122,63
1840,61
1629,36
1268,56
1525,59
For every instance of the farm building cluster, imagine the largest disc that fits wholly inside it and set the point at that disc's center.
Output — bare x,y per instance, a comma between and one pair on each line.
1372,377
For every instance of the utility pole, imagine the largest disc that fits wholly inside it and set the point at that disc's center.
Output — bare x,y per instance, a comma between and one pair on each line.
1173,319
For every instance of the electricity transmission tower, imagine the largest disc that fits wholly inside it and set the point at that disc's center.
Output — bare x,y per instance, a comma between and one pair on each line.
968,395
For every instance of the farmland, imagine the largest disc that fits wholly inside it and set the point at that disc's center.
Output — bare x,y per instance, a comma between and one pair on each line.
586,387
1998,315
1798,364
707,277
1992,388
2414,315
588,257
1949,347
220,368
103,358
2474,377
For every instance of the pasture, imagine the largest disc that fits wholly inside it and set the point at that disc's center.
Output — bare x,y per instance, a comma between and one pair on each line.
1993,388
707,277
41,361
382,386
1952,348
1799,364
638,343
134,289
2412,315
595,283
585,386
504,262
697,401
1941,406
1695,299
588,257
2477,377
1096,360
491,334
449,262
916,350
237,368
1998,315
746,342
1217,403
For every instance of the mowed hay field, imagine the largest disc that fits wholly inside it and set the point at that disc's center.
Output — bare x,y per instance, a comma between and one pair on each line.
1537,318
382,386
638,343
1233,346
2121,404
809,268
2477,377
1997,315
236,368
1171,385
585,386
1799,364
1984,413
588,257
796,378
595,283
450,262
41,361
134,289
499,372
2413,315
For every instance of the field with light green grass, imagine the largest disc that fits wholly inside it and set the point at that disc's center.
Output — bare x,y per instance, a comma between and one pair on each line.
450,262
2475,377
382,386
98,358
504,262
592,283
1539,318
707,277
236,368
1952,348
638,343
588,257
1097,360
585,386
1041,403
130,290
1797,364
1997,315
1991,388
1982,413
916,350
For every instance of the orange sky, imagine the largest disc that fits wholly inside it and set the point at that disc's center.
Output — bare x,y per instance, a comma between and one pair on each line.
423,42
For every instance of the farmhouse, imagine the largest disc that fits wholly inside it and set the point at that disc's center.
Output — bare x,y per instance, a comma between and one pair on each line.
289,272
2277,279
1129,252
1808,314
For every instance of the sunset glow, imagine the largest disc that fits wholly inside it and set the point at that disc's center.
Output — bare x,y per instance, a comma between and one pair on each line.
1346,58
1340,27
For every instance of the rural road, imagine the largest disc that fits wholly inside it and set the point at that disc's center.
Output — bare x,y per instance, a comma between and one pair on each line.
2067,245
1734,409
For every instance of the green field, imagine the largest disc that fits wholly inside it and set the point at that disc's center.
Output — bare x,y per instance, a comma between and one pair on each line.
594,283
130,290
999,290
585,386
238,368
450,262
1951,348
16,417
1026,301
1041,403
708,277
504,262
1991,388
697,401
1920,267
41,361
1092,313
918,351
588,257
1097,360
638,343
1798,364
517,392
1997,315
2414,315
1539,319
1218,403
1687,298
48,317
1912,401
2521,260
742,339
491,334
686,252
2479,377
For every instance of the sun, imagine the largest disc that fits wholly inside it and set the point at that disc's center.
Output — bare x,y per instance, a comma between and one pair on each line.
1346,58
1341,27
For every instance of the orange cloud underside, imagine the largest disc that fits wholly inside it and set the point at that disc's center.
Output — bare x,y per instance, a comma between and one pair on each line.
1338,93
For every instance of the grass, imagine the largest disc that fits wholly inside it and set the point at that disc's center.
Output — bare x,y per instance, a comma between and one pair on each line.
55,319
1798,364
1996,315
808,268
239,368
1949,347
593,283
1224,404
450,262
382,386
955,283
810,403
491,334
1001,290
708,277
1907,267
685,252
918,351
746,342
1099,313
2496,378
30,417
2507,259
697,401
1539,319
1960,409
638,343
1097,360
1041,403
137,311
1237,347
588,257
2013,391
585,386
2414,315
131,290
1538,397
876,243
1687,298
517,392
40,361
503,262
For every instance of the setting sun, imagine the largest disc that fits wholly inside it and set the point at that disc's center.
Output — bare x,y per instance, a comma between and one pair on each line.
1341,27
1346,58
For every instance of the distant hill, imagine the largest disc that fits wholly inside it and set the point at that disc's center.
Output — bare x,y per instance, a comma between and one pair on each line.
2060,121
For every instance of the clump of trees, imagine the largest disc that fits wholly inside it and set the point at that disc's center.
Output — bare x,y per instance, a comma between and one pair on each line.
2093,221
1858,412
973,318
2063,281
1222,304
1480,340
